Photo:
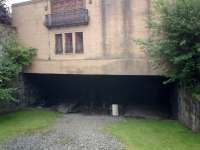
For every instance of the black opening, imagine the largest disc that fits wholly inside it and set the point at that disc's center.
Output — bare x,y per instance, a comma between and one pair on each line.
147,91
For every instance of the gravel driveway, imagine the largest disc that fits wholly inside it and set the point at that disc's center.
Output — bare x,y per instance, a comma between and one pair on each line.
71,132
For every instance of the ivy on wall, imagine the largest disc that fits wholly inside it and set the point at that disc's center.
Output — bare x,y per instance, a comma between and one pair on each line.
13,59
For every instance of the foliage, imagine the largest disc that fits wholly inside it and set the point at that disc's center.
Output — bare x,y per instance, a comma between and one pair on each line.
152,134
174,43
19,122
4,13
13,59
196,92
6,94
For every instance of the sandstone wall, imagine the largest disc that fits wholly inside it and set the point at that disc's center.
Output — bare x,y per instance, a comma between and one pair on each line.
109,39
189,110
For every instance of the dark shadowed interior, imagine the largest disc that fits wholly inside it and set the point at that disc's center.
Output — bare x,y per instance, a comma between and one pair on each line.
102,90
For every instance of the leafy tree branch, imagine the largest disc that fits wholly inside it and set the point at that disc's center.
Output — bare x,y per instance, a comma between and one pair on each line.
174,43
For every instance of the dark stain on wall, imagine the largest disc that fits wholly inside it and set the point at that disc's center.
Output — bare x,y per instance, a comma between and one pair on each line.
108,9
104,24
148,7
127,26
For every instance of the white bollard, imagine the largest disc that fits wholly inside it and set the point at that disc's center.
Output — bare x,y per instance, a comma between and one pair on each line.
115,110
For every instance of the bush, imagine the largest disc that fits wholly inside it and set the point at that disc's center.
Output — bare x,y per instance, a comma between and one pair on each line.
6,94
13,59
174,43
196,92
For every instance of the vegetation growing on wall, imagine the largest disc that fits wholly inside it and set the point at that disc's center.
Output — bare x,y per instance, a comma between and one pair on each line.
13,59
174,44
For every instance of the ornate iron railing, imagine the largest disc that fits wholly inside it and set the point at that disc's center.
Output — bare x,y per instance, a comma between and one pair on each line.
67,19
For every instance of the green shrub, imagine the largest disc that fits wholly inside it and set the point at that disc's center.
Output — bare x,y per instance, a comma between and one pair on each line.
6,94
196,92
174,43
13,59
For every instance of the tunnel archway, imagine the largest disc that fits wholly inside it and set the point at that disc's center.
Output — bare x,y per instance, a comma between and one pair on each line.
99,90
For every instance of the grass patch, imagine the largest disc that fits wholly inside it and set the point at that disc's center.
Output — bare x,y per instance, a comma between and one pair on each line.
149,134
25,121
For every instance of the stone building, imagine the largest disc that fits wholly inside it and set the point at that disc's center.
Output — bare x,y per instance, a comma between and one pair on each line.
84,36
87,51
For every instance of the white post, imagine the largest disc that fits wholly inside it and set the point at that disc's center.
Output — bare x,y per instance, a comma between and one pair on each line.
115,110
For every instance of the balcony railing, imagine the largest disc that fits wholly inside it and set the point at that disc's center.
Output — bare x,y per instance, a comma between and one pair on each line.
67,19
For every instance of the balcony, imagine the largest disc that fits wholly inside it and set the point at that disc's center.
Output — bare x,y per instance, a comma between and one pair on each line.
67,19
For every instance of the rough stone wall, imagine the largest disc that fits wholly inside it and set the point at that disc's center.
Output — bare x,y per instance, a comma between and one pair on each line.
28,93
189,110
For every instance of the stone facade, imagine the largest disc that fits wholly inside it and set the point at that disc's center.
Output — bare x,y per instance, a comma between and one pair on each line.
189,110
109,39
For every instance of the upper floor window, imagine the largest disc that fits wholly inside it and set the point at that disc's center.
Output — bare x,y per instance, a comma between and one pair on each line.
79,42
65,5
68,43
58,44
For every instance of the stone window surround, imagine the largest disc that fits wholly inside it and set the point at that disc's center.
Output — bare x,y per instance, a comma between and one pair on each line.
73,44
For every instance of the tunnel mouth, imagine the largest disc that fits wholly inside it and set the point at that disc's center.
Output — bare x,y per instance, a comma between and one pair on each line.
135,95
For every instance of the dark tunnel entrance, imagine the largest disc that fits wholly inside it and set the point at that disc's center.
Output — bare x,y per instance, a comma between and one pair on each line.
104,90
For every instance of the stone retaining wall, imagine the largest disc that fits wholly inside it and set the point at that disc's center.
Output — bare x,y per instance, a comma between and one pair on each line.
26,95
189,110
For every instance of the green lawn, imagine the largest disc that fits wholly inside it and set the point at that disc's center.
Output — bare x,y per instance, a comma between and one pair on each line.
25,121
148,134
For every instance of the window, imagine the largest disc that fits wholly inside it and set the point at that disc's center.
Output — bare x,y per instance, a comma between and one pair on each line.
58,44
65,5
79,42
68,43
69,46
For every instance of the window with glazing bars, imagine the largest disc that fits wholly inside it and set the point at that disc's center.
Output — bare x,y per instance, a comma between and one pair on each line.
58,44
79,42
68,43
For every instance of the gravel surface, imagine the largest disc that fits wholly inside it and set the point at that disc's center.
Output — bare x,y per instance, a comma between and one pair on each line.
71,132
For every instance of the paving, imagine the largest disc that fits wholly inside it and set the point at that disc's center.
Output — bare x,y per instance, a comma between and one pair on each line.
71,132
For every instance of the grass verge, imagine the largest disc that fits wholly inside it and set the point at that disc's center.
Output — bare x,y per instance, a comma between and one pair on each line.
25,121
149,134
